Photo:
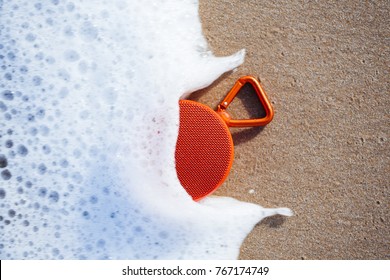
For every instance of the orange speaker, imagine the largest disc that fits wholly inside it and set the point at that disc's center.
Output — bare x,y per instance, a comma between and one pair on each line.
204,149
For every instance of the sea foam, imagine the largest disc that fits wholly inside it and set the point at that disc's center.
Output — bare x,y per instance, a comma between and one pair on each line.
89,120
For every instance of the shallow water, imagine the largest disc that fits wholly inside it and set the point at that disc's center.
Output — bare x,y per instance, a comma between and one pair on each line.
89,118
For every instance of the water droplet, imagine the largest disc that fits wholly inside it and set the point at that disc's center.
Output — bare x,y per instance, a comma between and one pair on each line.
55,252
42,192
25,25
77,177
49,21
93,199
86,215
101,243
54,196
7,116
137,229
8,76
7,95
88,32
38,6
11,56
163,235
71,56
110,95
68,31
22,150
11,213
64,163
42,169
30,37
9,144
30,117
46,149
63,74
37,80
3,161
39,56
77,153
33,131
3,107
40,113
43,129
50,60
23,69
6,174
70,7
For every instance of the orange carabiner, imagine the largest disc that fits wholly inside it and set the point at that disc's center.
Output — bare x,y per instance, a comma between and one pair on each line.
269,112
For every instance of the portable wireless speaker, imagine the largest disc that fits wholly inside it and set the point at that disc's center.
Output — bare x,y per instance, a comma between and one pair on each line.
204,149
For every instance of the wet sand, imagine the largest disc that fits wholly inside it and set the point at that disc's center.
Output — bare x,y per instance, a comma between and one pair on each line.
325,67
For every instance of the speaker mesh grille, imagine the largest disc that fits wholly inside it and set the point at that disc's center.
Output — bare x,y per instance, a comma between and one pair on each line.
204,149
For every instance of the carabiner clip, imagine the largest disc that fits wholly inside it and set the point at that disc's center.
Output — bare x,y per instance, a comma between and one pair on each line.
269,112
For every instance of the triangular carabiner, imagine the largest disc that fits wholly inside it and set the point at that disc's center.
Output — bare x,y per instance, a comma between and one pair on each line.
269,112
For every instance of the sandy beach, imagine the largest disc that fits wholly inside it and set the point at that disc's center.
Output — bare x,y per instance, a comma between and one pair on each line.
325,155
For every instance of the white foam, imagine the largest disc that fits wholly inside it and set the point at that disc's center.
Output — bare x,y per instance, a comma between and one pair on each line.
88,125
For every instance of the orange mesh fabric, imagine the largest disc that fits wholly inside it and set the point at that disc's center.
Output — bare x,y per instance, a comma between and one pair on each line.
204,149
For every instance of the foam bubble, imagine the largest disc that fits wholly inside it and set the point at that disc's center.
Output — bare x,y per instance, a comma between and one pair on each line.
3,161
88,128
6,174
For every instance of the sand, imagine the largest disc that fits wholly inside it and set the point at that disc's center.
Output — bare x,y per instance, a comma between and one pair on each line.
325,66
